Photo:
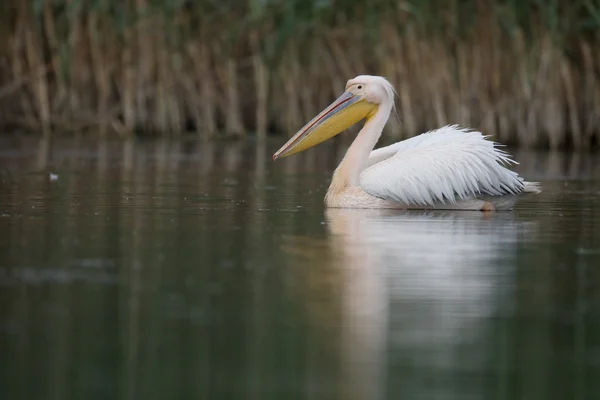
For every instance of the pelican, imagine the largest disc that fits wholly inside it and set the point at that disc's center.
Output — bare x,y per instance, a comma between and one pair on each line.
448,168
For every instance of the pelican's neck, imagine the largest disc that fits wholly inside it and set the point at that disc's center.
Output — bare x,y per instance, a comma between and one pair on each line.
356,157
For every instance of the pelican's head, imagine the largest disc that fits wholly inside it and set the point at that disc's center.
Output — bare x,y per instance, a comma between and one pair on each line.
361,99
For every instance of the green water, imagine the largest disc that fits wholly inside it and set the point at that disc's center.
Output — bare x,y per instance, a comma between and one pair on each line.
187,270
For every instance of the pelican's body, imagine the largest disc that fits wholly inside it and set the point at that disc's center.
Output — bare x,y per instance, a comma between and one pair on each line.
448,168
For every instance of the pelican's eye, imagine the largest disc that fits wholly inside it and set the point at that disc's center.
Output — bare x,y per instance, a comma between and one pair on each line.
360,86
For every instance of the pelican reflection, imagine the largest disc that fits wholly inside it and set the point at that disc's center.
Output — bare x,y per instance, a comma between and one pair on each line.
419,290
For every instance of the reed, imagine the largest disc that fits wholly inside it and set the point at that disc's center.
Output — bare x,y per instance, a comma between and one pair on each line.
525,71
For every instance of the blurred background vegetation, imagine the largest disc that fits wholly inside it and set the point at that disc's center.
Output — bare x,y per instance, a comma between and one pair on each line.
526,71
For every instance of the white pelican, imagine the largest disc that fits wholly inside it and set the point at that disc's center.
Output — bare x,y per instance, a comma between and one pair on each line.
447,168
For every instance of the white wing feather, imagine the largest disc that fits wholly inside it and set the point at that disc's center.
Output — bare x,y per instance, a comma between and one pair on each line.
443,165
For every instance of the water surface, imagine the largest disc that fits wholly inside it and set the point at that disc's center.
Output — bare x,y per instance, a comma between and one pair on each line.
155,269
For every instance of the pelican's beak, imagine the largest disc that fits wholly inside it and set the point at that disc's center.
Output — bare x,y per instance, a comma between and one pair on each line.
347,110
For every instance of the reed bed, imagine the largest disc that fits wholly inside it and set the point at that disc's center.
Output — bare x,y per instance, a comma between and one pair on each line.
525,71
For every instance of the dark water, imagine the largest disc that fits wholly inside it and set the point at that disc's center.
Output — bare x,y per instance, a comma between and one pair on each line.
187,270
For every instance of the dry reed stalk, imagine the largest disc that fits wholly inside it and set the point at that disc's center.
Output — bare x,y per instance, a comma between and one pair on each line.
405,89
488,75
205,102
590,93
226,72
146,63
128,85
19,80
340,57
190,92
208,91
307,92
537,95
291,113
261,85
234,123
176,62
176,109
163,84
553,119
326,75
84,75
432,54
36,63
128,80
522,89
388,47
595,109
463,114
333,76
422,69
503,105
569,88
73,42
54,49
100,70
295,61
193,102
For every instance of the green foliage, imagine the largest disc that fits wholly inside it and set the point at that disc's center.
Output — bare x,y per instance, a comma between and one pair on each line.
281,20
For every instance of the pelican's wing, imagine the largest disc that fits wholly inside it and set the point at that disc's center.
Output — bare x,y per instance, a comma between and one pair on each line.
444,165
384,153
